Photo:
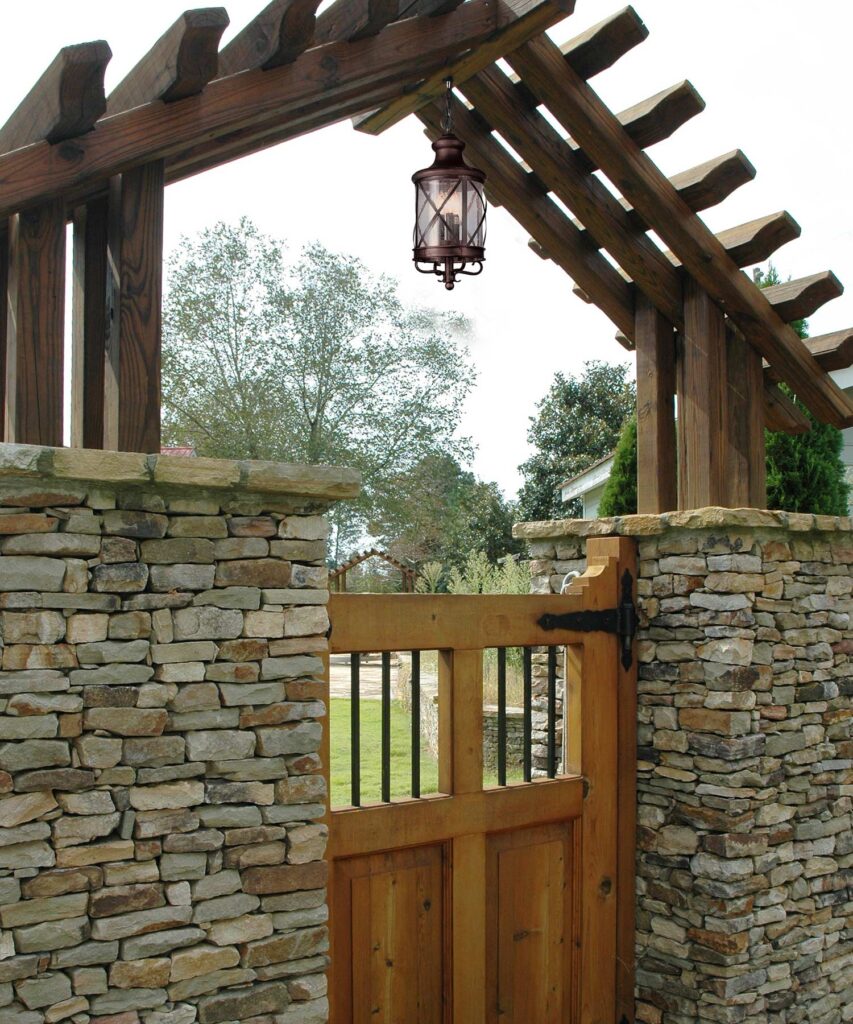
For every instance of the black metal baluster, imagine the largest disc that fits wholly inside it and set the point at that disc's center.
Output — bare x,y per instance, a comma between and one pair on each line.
552,711
416,723
528,714
355,731
502,716
386,727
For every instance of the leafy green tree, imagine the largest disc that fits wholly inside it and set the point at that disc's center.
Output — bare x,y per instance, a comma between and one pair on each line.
620,493
438,511
576,424
314,360
805,472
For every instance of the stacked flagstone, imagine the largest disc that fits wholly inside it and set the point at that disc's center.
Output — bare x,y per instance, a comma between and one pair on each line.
745,761
163,628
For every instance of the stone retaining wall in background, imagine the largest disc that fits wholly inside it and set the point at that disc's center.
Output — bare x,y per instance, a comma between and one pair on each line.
745,760
163,624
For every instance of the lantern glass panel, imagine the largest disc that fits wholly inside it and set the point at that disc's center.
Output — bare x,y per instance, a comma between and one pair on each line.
450,211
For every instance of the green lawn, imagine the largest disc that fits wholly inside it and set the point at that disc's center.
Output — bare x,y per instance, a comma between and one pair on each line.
371,765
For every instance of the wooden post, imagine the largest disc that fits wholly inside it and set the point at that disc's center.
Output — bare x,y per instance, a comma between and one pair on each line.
89,324
657,489
703,435
4,284
34,342
132,378
745,412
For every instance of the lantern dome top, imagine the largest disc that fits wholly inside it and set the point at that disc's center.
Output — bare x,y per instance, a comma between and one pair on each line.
449,161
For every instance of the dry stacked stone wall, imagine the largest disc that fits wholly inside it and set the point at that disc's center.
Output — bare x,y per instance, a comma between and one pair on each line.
745,761
163,625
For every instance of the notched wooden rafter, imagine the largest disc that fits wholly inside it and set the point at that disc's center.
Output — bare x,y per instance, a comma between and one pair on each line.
796,300
583,115
278,35
355,19
541,145
65,102
179,64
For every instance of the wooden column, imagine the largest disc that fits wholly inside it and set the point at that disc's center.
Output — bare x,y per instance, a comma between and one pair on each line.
35,315
132,375
703,434
657,489
4,284
745,411
89,324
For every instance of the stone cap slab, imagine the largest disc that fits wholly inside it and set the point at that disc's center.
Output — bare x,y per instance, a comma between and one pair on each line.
36,462
695,519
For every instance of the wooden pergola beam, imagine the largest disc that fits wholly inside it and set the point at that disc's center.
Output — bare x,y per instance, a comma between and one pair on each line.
65,102
756,240
350,20
536,213
534,139
594,127
180,64
528,19
282,31
257,99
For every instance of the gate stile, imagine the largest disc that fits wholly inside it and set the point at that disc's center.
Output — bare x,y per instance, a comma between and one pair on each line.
513,903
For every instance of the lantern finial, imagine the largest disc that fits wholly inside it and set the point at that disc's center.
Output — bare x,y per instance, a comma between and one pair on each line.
450,208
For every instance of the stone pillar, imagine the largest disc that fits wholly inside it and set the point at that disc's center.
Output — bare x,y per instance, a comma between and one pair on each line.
161,713
745,760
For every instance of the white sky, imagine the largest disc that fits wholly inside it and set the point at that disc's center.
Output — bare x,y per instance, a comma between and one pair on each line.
775,75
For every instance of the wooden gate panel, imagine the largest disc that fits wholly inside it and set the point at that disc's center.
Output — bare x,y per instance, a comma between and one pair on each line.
529,925
391,929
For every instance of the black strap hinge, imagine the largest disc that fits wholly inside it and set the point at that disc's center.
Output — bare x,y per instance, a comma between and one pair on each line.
622,620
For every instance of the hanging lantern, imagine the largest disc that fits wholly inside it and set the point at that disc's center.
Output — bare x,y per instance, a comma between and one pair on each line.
450,210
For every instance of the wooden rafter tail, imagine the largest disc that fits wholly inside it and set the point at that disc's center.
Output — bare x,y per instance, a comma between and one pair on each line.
355,19
577,107
598,48
796,300
833,351
781,414
518,21
278,35
535,211
179,64
757,240
265,106
65,102
626,342
541,145
651,121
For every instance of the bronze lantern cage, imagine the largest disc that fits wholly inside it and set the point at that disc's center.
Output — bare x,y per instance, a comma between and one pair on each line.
450,211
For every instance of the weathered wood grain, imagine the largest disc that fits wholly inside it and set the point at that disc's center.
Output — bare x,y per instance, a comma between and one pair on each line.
591,124
302,92
132,388
657,489
278,35
780,413
65,102
35,325
796,300
757,240
349,20
180,64
534,139
520,20
89,325
532,208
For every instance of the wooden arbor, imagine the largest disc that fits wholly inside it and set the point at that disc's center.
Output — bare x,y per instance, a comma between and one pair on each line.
338,575
69,152
703,331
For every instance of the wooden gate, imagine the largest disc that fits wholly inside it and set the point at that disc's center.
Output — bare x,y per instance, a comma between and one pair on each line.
510,903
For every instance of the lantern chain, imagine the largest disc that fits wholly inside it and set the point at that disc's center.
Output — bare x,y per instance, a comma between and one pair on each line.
447,121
